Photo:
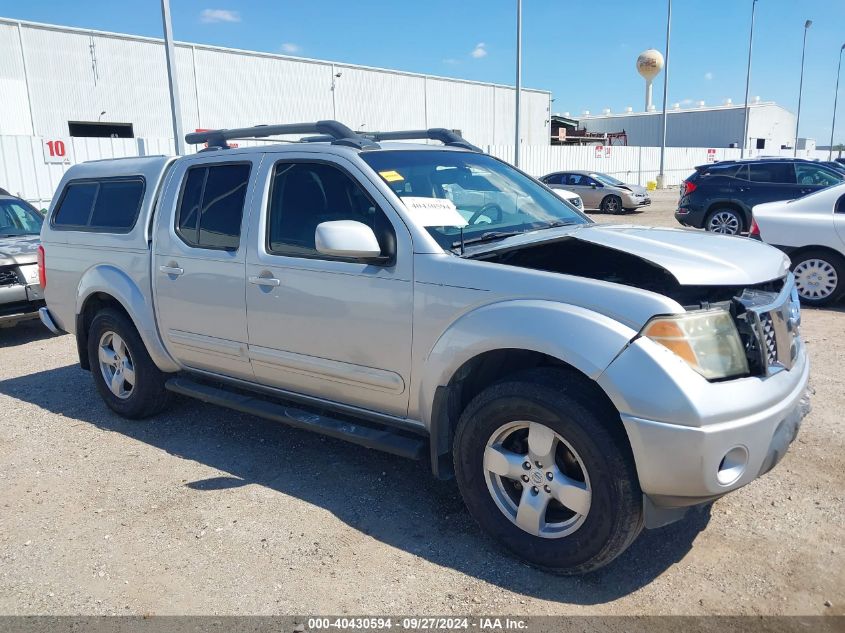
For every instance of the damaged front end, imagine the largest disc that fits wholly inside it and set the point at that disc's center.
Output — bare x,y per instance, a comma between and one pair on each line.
727,330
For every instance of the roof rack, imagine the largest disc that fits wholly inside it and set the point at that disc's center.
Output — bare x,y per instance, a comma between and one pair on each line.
327,131
332,131
447,137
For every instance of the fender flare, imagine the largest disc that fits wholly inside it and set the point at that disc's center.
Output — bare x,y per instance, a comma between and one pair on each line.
585,340
112,281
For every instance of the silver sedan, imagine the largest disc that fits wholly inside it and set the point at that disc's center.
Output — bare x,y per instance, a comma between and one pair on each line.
600,191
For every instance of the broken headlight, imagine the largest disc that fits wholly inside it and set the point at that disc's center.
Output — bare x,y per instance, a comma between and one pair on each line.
706,339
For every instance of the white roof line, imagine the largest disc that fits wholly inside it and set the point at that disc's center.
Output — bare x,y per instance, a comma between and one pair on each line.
680,110
241,51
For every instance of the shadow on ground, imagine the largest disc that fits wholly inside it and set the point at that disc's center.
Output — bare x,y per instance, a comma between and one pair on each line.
23,333
391,499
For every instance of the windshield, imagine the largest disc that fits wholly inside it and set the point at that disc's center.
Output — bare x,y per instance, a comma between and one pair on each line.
604,179
18,218
468,196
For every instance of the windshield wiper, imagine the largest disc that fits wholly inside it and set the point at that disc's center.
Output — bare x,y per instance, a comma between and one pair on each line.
489,236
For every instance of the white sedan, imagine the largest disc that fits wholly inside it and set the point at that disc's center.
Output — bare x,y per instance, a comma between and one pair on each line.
811,230
571,197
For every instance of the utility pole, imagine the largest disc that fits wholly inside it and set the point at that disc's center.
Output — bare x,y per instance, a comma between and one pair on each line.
835,99
807,26
518,78
170,54
661,177
748,82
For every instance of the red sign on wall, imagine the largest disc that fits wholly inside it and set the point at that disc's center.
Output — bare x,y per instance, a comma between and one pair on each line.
711,155
599,149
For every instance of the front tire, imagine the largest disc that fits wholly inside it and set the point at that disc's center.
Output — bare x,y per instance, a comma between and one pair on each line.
125,376
819,277
612,204
541,470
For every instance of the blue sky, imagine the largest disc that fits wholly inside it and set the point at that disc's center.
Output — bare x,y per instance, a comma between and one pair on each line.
582,50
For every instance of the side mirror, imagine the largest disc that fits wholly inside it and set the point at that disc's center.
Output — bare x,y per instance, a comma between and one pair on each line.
346,238
594,186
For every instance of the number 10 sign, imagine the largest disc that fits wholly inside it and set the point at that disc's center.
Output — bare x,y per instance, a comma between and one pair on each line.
55,151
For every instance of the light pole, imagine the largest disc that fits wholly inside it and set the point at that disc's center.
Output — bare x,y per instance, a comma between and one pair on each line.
748,82
661,177
835,98
170,55
518,77
807,26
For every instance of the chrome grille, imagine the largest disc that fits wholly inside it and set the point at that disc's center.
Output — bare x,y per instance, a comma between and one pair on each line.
770,343
775,319
8,276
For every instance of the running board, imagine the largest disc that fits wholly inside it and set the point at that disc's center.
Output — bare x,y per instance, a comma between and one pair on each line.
380,439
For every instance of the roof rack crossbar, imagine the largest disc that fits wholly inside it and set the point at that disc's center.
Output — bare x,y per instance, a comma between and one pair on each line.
447,137
334,131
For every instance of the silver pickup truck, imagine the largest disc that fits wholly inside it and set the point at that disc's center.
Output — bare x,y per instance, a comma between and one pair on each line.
579,381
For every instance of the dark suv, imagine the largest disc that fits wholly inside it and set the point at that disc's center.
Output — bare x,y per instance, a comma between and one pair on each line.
719,196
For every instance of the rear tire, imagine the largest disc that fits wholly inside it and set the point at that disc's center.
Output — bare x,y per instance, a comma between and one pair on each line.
583,505
612,204
819,277
725,221
126,377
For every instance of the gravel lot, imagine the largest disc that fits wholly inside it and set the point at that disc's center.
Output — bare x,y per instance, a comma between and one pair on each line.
203,510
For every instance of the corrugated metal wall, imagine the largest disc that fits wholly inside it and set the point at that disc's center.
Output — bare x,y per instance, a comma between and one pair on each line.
708,127
75,74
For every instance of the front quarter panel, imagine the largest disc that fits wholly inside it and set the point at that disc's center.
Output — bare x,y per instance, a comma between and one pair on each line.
582,338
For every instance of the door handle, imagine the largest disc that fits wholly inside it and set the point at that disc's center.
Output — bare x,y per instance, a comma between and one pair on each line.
264,281
171,270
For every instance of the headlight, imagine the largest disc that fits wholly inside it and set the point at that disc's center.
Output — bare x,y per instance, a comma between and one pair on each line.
707,340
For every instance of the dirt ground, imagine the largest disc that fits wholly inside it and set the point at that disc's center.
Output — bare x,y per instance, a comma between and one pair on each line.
203,510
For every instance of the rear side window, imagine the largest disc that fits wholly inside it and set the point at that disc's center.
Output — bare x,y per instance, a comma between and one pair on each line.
720,170
108,205
782,173
212,205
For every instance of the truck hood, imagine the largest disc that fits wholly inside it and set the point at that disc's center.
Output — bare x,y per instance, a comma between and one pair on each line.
19,250
693,258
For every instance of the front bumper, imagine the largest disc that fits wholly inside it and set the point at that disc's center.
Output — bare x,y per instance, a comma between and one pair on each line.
694,440
682,466
19,303
631,202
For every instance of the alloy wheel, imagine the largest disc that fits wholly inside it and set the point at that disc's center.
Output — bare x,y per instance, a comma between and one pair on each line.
116,365
537,479
724,222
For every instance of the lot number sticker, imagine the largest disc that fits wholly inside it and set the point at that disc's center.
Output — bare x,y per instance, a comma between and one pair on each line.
434,211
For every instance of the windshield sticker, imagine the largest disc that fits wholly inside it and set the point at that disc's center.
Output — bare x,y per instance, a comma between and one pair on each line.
391,175
434,211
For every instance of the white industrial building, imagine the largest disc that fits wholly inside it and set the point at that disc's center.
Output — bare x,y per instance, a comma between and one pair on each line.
58,82
770,126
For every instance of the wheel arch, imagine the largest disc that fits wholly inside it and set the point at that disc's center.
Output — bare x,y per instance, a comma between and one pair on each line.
501,340
107,286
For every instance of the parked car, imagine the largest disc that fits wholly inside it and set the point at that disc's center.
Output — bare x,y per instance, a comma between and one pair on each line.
719,196
580,381
20,292
811,230
834,165
571,197
599,191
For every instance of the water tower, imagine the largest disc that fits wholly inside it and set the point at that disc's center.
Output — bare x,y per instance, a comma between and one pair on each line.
649,65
